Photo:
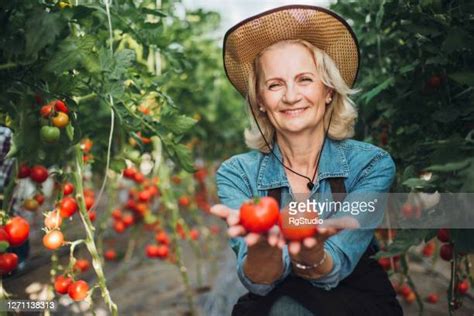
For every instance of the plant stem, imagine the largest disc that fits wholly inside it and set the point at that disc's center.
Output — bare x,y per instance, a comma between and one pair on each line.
170,203
89,228
8,66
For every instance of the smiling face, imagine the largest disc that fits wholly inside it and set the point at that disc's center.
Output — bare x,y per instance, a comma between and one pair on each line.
290,90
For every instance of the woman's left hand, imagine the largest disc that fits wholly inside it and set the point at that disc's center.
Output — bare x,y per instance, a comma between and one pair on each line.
310,247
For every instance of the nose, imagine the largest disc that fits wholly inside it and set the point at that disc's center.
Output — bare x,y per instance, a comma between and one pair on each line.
291,95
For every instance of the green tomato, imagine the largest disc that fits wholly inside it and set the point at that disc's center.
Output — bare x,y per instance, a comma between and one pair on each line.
50,134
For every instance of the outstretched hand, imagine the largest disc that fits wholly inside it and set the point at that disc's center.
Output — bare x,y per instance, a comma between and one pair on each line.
274,237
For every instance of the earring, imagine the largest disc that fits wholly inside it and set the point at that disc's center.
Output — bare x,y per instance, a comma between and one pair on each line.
329,102
261,109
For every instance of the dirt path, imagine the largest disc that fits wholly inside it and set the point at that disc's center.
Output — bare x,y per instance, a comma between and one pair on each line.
151,287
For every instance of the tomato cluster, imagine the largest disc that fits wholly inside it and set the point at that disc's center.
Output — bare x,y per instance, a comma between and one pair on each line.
77,290
14,234
55,114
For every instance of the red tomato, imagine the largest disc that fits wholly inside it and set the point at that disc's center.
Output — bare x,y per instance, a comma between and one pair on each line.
8,262
200,175
89,200
89,192
68,188
141,208
183,201
128,219
61,107
131,204
117,214
110,255
86,145
462,287
443,235
67,207
432,298
81,265
162,238
428,249
297,232
153,189
92,215
78,290
259,215
46,110
410,298
194,234
138,177
129,172
39,198
53,240
4,236
144,196
18,230
162,251
446,252
119,226
61,284
39,174
385,263
53,220
434,82
405,290
152,251
24,171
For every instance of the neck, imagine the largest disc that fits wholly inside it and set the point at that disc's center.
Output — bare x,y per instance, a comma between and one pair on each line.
300,152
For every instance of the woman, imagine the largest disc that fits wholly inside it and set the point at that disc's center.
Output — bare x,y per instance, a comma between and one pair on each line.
295,66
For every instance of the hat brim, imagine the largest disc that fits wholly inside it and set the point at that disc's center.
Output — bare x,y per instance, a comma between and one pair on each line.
319,26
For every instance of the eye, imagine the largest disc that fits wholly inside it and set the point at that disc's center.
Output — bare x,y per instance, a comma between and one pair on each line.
306,79
273,85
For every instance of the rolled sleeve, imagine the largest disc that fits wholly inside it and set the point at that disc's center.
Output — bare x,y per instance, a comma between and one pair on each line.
347,247
256,288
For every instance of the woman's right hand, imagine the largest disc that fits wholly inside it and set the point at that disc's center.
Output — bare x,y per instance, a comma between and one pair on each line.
262,250
232,217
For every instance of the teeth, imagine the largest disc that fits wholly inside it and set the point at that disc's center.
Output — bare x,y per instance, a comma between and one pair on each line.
293,111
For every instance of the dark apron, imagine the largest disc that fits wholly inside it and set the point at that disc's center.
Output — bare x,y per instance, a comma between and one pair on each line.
367,291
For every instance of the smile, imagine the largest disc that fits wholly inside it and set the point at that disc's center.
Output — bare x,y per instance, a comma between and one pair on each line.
293,112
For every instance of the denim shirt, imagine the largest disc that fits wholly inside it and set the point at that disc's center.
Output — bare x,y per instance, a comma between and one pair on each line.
364,167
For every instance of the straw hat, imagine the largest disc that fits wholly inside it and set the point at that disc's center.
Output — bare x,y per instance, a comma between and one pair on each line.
319,26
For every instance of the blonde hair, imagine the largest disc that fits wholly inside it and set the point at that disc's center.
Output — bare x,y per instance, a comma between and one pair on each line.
343,118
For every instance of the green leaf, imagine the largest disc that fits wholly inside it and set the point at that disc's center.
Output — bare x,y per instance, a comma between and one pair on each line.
4,246
403,241
368,96
122,61
71,52
180,154
41,29
456,39
70,132
155,12
177,124
446,115
118,165
466,78
449,167
415,183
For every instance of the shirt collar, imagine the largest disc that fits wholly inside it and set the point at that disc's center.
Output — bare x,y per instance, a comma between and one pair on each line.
333,164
